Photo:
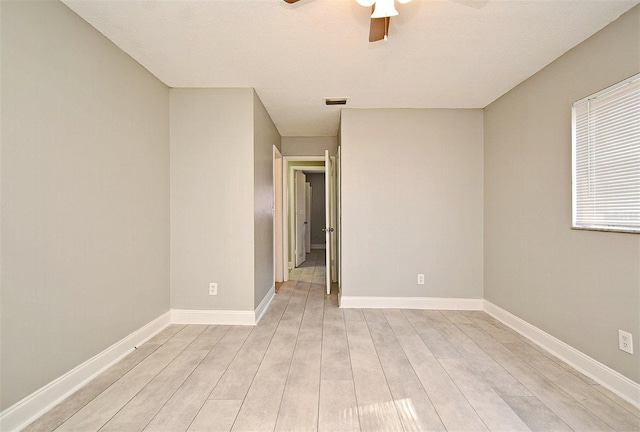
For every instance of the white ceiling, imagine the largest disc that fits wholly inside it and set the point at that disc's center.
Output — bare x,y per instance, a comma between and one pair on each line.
440,53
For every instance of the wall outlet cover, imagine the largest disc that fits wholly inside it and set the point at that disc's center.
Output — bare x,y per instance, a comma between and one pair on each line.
213,288
625,341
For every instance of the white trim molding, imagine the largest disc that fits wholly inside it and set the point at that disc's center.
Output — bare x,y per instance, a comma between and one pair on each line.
213,317
357,302
619,384
223,317
264,304
33,406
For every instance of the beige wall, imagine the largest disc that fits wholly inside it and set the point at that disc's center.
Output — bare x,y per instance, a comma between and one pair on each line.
579,286
265,137
212,198
412,187
221,198
309,146
85,208
85,203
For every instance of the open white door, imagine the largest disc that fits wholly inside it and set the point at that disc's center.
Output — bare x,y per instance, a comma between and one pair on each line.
300,210
338,251
328,230
334,222
307,222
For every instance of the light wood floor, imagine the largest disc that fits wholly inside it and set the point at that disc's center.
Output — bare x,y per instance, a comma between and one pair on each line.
309,365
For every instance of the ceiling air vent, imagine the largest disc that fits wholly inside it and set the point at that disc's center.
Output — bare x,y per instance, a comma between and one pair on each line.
335,101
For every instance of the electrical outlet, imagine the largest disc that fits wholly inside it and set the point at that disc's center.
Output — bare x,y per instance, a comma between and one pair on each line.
213,288
420,279
625,341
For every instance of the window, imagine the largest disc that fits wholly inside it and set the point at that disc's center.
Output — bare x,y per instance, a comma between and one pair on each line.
606,159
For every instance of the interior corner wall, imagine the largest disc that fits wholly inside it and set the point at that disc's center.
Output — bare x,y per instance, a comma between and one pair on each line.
412,202
579,286
266,136
212,198
309,146
85,202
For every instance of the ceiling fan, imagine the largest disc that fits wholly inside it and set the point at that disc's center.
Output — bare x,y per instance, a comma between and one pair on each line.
382,11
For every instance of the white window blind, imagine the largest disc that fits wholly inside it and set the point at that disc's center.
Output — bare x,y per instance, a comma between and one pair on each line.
606,159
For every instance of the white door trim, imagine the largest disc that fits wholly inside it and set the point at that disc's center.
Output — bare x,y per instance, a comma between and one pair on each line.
327,219
300,217
308,194
286,173
278,246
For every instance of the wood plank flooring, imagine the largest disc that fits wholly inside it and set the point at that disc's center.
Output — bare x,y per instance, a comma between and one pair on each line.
310,366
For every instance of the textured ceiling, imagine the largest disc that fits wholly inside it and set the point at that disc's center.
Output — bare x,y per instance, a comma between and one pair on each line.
440,53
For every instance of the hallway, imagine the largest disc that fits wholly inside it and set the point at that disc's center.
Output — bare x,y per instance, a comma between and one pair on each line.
310,366
313,270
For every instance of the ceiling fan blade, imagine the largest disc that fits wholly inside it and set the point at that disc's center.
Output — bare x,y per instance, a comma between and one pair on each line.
378,29
291,1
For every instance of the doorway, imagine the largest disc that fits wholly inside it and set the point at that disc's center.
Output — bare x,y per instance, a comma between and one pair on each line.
316,210
292,244
309,210
298,218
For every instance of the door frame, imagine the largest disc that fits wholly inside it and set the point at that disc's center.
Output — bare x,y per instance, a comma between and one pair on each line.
308,192
287,172
278,246
298,223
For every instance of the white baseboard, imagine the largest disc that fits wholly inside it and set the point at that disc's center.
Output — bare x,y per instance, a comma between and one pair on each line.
213,317
264,304
352,302
318,246
33,406
619,384
223,317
